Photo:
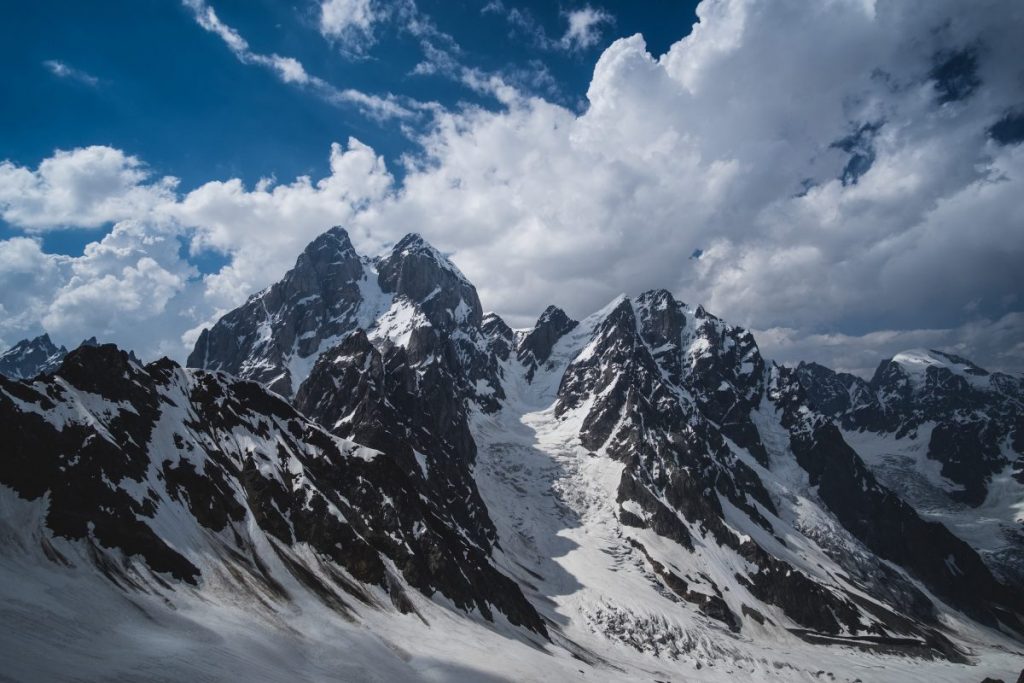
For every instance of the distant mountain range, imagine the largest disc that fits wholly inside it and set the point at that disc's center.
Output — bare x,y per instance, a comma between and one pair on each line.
362,476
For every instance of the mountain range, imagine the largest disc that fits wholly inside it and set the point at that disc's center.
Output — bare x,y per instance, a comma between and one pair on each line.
361,475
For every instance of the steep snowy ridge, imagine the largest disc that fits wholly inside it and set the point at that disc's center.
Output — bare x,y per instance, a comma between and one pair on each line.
570,513
367,469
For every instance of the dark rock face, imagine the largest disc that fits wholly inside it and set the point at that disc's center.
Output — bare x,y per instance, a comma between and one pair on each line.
407,396
407,403
661,429
974,412
409,400
73,463
31,357
957,414
393,385
500,336
317,300
833,393
421,274
721,365
668,387
228,451
535,347
453,339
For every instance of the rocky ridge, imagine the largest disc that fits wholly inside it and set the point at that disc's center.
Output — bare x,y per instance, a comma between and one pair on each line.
642,477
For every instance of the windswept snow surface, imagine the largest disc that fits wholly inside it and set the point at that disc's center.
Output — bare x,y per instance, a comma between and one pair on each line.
95,631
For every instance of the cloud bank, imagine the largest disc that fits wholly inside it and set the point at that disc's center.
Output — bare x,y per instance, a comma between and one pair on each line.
838,167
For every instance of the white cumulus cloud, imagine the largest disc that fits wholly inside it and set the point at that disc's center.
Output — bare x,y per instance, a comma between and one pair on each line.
85,187
843,194
134,285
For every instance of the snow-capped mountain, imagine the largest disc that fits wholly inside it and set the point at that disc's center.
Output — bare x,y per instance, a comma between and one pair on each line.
946,435
31,357
638,495
276,337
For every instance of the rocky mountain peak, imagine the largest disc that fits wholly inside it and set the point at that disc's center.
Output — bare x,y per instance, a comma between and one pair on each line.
833,393
553,315
535,348
103,369
661,317
501,336
268,337
417,271
924,369
920,385
41,342
331,257
413,297
942,432
30,357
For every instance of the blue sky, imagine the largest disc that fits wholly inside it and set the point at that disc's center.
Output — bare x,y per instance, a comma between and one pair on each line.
849,173
145,78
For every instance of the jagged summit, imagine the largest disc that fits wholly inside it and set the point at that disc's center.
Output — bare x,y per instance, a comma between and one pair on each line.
268,338
276,337
103,369
535,347
414,243
417,271
336,237
31,357
943,432
501,336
